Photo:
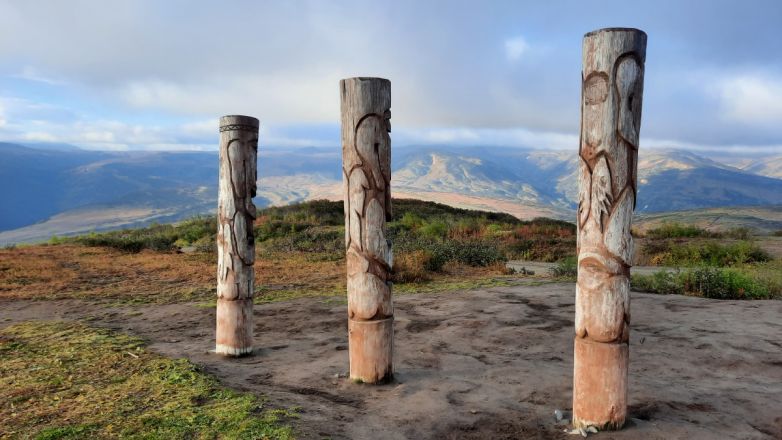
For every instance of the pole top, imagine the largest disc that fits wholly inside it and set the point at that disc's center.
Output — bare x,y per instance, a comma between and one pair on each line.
614,29
365,78
239,122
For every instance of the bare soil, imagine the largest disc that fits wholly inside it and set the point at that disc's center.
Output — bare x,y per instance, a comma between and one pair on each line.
480,364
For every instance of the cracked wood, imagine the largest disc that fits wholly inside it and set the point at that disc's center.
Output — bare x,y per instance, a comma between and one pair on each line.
235,240
366,171
612,89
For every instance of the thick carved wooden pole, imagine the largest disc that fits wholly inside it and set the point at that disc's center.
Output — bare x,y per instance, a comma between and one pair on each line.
612,87
235,239
366,173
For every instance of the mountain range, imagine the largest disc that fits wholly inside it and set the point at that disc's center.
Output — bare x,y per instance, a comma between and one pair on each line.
61,189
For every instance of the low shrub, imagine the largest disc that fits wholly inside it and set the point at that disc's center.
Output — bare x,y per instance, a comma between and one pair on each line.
566,268
436,229
324,239
708,282
155,237
740,233
677,230
412,267
711,253
471,253
410,221
663,282
716,283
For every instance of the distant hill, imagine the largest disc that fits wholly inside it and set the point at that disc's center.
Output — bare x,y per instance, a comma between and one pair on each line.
770,166
69,190
38,184
762,219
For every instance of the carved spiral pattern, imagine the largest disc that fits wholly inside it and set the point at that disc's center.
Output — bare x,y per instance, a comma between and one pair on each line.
236,214
366,168
612,88
367,178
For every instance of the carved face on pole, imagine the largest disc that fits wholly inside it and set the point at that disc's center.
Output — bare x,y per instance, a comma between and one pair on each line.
612,80
369,253
611,114
366,166
235,240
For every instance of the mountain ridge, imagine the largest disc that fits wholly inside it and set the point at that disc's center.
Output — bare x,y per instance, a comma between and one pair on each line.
41,184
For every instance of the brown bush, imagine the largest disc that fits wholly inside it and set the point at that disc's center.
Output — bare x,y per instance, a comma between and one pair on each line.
411,267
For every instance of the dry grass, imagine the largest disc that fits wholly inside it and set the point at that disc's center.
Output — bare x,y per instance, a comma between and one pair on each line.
105,274
74,271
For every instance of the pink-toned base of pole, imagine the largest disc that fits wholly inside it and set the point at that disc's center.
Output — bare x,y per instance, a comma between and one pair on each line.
371,350
600,384
234,327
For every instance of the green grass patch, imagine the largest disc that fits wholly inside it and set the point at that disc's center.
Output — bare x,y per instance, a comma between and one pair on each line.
567,268
66,381
677,230
680,230
197,231
762,281
704,253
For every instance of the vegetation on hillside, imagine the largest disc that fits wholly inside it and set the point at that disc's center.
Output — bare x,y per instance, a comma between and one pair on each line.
722,265
198,231
747,282
300,250
426,236
69,381
679,230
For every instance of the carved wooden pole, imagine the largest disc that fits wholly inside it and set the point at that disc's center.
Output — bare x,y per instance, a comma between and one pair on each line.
235,239
612,87
366,172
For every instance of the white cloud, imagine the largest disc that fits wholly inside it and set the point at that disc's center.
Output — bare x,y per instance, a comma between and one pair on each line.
39,136
277,98
752,99
510,137
515,47
30,73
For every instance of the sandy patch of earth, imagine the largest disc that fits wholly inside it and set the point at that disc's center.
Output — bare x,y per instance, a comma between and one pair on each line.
491,363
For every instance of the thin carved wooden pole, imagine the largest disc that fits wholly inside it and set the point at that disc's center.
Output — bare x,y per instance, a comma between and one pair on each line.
612,88
235,239
366,172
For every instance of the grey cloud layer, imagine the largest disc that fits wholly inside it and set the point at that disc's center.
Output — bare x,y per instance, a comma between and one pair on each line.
713,67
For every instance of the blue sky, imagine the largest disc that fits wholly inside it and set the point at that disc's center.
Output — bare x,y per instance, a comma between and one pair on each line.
158,74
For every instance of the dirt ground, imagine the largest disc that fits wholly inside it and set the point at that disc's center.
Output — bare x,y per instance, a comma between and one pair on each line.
491,363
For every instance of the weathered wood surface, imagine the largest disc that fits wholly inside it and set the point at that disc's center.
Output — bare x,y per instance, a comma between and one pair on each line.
612,88
235,240
366,169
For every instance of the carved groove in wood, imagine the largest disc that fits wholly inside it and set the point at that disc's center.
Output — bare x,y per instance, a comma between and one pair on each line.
612,89
366,169
235,240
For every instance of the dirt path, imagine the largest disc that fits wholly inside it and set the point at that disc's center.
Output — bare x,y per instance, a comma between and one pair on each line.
490,363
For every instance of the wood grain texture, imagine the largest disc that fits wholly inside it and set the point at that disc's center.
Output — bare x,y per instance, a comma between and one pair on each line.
235,240
612,91
366,172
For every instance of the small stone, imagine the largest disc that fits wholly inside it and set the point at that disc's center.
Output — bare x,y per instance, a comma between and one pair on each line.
592,429
336,375
558,415
472,411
